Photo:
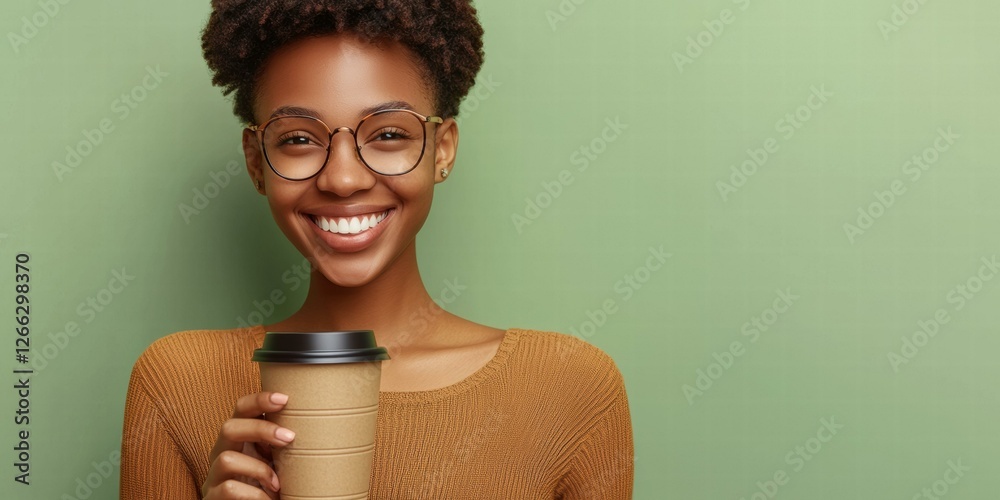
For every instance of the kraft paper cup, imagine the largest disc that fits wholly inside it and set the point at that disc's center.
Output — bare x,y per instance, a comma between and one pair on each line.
332,383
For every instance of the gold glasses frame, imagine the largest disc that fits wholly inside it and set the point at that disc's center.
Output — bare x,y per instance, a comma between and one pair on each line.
259,132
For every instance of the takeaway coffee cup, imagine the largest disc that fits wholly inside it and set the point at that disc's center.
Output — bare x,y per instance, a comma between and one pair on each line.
332,383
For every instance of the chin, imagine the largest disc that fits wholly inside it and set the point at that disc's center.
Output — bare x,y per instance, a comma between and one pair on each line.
348,276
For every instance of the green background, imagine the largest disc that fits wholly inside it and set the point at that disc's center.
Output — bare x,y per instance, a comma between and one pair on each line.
555,73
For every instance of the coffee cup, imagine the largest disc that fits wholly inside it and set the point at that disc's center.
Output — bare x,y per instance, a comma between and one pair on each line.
332,382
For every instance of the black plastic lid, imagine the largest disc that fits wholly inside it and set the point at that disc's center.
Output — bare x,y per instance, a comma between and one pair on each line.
349,346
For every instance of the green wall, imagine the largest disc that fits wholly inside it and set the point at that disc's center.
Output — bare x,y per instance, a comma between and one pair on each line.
818,179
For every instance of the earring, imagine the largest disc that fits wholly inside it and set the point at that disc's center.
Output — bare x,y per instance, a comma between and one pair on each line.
257,183
444,173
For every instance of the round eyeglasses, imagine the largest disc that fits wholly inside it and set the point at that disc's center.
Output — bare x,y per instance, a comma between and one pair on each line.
388,142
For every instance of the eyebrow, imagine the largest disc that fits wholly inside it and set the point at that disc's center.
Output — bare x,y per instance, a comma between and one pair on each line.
299,110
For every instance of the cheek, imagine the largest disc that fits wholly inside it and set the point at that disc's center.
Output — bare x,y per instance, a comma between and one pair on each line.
416,185
415,190
281,200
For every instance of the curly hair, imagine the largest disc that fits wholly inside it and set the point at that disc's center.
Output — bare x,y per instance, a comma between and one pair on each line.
445,35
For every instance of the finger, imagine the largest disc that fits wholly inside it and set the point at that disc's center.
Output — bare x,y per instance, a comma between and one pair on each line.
232,464
263,451
272,495
236,431
235,490
253,405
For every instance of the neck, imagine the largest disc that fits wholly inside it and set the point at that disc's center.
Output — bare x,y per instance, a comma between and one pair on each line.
395,305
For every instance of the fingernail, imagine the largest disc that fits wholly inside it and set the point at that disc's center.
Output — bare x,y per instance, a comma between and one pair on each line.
284,435
279,398
274,483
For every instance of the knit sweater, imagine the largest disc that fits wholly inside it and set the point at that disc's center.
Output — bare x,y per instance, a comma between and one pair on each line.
546,418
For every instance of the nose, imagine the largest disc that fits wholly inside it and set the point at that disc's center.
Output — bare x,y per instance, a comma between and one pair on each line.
344,174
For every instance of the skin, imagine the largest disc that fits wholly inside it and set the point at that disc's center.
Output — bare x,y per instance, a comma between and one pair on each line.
377,288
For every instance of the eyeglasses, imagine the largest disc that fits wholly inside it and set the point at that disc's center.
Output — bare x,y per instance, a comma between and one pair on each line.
388,142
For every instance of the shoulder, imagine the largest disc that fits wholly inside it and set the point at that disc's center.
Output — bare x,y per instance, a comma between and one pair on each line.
194,347
567,351
188,382
196,372
196,353
571,364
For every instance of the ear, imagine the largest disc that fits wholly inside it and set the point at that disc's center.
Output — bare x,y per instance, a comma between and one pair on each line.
255,160
445,148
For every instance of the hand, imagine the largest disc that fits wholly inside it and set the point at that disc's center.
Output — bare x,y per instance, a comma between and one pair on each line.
241,458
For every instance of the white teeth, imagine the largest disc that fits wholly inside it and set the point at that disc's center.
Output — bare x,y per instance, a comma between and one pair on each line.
353,225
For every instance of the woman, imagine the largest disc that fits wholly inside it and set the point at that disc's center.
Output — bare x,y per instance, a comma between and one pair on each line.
351,108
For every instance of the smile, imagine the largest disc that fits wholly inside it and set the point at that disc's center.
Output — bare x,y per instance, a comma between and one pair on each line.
349,225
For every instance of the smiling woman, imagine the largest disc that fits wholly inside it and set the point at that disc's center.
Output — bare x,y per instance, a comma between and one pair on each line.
350,110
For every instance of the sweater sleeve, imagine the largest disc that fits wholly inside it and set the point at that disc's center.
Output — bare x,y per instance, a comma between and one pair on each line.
602,466
152,466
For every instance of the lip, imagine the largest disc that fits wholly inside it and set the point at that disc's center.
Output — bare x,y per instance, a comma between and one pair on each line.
349,210
348,243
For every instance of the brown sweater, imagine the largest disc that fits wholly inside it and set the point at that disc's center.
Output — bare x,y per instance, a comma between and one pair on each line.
546,418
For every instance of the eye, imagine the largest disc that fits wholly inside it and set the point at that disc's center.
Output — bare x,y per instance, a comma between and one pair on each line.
391,134
295,139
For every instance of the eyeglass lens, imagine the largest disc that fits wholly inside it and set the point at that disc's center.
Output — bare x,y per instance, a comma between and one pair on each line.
390,143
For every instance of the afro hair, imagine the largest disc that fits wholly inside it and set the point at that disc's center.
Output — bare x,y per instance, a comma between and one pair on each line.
445,35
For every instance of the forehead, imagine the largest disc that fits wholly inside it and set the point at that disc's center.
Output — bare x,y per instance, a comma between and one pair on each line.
340,76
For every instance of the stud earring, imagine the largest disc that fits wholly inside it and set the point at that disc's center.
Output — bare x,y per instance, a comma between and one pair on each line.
444,173
257,183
